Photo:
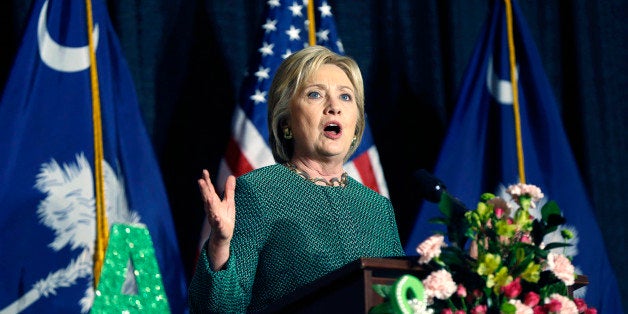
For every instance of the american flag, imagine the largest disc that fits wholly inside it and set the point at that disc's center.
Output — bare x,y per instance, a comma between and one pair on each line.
286,31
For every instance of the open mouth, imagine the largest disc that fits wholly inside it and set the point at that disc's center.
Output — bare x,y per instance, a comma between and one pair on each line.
333,130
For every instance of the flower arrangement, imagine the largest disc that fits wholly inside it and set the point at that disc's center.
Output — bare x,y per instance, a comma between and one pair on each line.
497,259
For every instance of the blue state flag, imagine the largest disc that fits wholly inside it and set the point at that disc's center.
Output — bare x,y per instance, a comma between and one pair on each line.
47,216
479,153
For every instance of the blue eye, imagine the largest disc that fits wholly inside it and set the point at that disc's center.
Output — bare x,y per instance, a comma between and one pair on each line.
346,97
313,95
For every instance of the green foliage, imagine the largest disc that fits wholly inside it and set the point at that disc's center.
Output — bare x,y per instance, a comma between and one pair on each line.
454,219
491,251
382,290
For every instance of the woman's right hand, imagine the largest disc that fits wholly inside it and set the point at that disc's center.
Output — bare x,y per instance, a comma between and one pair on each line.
220,215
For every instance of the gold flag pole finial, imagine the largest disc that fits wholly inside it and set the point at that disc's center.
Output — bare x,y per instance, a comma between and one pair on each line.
515,90
102,232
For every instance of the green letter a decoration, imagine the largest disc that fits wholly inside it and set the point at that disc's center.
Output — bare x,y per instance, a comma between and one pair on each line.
134,242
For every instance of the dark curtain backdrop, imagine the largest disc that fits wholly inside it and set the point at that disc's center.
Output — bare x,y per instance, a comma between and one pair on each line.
188,59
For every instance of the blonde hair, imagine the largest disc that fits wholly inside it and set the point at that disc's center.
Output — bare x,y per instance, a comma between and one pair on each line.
290,78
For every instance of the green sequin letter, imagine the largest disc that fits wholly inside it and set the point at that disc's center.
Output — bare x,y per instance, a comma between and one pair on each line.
130,242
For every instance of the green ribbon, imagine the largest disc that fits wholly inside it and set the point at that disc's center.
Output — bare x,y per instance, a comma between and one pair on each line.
405,286
397,297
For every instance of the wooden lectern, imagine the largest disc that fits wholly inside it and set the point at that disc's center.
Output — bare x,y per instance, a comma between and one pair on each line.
350,289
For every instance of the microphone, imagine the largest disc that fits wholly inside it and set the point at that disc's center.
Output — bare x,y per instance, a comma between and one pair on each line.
430,187
432,190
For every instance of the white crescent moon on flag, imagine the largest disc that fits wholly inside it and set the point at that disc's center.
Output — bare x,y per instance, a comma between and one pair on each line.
500,89
59,57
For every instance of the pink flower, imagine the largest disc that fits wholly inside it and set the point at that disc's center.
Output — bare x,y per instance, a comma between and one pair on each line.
446,311
553,306
439,284
539,309
580,304
461,291
460,312
477,293
479,309
500,203
430,248
566,305
514,189
520,189
532,299
590,310
513,289
561,267
499,212
526,238
525,189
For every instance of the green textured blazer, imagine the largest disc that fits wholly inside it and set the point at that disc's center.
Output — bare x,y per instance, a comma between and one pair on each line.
290,232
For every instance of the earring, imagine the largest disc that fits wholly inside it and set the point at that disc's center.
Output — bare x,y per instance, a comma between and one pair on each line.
355,138
287,133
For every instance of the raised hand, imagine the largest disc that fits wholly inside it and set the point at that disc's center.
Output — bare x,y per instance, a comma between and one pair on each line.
220,215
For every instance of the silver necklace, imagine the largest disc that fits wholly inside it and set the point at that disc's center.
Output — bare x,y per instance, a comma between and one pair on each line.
342,181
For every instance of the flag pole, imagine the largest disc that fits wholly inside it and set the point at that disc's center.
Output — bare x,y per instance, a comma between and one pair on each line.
312,25
102,233
515,91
